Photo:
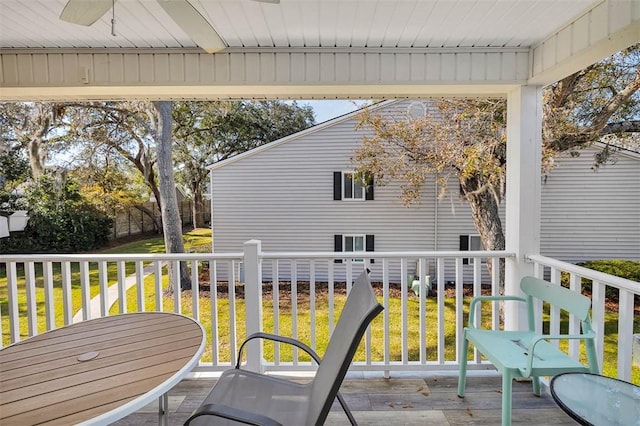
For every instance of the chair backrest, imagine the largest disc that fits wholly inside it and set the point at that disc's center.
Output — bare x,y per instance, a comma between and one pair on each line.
568,300
359,310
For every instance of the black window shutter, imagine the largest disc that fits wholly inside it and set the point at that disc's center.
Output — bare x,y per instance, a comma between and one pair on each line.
337,185
337,246
464,246
370,245
369,194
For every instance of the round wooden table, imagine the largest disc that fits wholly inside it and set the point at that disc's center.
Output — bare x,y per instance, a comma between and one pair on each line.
97,371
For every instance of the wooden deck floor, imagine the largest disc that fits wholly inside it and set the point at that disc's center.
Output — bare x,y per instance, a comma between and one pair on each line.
404,399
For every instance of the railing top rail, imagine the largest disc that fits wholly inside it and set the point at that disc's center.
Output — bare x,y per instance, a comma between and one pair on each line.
145,257
384,254
583,272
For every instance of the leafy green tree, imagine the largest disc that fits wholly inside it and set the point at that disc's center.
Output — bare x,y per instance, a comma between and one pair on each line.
207,132
60,220
14,171
36,126
465,139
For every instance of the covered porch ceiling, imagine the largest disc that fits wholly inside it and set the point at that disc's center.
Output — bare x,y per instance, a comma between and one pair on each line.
304,49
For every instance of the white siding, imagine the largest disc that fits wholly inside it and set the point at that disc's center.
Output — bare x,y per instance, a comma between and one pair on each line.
284,197
282,194
592,215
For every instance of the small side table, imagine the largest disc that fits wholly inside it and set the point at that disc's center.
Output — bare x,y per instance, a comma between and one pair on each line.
592,399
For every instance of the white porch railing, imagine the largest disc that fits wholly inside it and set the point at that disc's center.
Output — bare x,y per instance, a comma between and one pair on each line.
296,294
553,270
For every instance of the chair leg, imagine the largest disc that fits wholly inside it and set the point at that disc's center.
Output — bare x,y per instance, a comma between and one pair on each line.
535,380
462,375
346,409
506,398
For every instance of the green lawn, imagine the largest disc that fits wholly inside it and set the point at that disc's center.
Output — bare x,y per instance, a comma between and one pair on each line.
197,240
200,241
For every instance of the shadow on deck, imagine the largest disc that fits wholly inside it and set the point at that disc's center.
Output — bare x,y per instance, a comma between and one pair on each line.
404,399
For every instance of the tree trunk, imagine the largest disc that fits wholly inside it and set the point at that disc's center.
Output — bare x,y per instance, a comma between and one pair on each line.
197,209
486,217
35,157
171,222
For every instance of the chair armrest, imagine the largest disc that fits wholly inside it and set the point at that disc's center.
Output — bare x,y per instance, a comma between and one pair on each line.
478,299
531,347
277,338
236,414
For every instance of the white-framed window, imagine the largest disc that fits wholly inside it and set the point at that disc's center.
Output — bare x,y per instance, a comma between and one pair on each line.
353,243
470,243
350,185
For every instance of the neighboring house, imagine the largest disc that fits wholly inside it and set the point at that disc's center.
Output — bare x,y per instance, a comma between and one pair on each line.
298,194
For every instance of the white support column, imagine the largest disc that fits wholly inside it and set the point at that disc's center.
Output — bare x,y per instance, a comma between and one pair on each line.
524,153
253,302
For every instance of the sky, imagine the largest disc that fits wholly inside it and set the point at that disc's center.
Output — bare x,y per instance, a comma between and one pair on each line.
326,110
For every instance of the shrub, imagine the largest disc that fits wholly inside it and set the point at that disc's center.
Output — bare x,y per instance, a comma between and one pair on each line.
628,269
60,221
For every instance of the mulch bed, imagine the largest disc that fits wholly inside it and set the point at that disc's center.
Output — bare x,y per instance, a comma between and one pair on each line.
321,289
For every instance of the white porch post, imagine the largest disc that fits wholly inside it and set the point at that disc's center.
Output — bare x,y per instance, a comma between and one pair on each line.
253,302
524,153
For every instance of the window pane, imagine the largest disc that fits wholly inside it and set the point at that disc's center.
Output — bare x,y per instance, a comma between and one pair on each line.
348,185
358,190
475,244
348,243
359,243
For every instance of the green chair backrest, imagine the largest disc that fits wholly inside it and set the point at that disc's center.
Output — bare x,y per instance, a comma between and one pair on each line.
564,298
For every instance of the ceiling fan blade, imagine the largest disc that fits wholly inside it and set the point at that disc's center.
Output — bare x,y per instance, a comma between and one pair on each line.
194,24
85,12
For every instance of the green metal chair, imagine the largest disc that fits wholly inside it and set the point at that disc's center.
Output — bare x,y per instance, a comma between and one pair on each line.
525,353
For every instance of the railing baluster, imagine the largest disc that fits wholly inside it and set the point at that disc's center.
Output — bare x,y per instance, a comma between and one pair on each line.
441,318
86,292
294,307
213,299
477,291
67,309
575,284
177,287
50,315
122,290
495,290
157,280
386,314
195,290
554,313
331,297
140,285
625,334
104,288
275,289
459,306
30,288
312,303
537,303
405,314
422,294
14,312
231,293
598,291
